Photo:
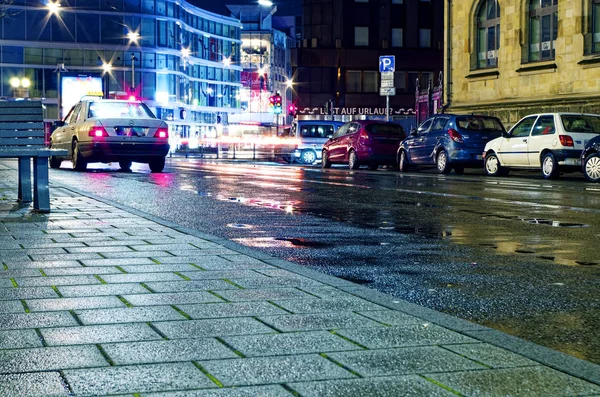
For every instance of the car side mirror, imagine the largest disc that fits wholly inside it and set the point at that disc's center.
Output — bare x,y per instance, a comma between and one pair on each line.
58,123
505,134
414,132
330,136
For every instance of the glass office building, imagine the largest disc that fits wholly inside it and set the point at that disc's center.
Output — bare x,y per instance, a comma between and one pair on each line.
181,60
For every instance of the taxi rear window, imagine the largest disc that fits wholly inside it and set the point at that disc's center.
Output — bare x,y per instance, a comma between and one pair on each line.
118,110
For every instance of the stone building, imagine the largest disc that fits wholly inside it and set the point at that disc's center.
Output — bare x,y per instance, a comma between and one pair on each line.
510,58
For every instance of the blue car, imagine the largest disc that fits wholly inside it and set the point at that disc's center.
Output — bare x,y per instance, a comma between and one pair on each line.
449,141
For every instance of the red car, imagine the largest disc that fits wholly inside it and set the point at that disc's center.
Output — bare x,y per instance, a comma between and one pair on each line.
363,142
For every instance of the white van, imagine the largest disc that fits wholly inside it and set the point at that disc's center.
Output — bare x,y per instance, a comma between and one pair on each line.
309,137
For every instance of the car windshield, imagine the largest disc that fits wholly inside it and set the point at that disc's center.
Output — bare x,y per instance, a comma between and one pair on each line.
478,123
585,123
117,110
317,131
384,129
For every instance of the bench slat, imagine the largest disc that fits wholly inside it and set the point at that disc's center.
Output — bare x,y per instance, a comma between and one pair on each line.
20,104
21,118
22,126
20,110
21,134
31,152
21,141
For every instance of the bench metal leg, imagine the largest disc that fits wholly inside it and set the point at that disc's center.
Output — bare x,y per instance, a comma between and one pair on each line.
25,179
41,192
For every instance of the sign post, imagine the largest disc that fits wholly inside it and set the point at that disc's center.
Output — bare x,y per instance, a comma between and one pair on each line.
387,66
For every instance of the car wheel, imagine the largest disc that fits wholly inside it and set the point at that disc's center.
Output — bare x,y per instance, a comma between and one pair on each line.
403,162
459,170
549,166
79,163
493,167
442,163
353,160
157,164
308,156
325,162
125,165
373,167
591,167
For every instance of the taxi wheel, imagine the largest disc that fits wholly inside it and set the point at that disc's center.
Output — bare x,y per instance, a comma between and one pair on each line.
403,165
125,165
79,163
157,164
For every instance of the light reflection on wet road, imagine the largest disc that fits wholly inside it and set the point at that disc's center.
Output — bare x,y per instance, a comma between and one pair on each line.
519,254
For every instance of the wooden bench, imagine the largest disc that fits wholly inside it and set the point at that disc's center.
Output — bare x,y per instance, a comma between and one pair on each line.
22,137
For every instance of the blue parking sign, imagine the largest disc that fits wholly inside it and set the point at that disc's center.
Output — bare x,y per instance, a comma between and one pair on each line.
387,63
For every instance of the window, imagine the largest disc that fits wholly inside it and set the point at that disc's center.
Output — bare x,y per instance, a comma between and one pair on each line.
544,126
361,36
425,38
543,29
398,37
488,33
353,81
370,82
596,25
523,128
439,124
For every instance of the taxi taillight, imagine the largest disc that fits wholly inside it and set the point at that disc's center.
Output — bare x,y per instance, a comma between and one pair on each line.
162,133
97,132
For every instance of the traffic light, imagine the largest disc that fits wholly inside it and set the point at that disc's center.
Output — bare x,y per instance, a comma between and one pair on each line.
278,109
292,110
272,104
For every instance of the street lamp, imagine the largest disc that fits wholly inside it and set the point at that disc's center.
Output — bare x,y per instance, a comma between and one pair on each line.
106,69
133,37
53,7
20,87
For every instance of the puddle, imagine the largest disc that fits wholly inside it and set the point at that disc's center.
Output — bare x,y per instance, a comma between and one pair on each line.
300,242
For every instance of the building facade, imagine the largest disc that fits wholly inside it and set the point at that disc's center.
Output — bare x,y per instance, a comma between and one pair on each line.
342,41
182,61
265,62
514,57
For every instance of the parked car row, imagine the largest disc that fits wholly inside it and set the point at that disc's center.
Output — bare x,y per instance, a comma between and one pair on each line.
550,142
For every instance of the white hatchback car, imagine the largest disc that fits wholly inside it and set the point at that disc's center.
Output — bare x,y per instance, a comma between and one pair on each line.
550,142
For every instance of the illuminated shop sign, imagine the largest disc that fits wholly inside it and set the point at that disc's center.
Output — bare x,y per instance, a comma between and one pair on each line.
75,86
353,111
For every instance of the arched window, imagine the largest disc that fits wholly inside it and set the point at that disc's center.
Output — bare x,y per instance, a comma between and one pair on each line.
595,25
543,28
488,34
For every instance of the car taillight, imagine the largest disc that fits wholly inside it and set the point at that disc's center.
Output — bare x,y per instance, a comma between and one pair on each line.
363,136
455,136
566,140
162,133
97,132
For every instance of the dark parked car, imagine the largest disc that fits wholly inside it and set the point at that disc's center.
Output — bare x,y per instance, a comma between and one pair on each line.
590,160
367,142
449,141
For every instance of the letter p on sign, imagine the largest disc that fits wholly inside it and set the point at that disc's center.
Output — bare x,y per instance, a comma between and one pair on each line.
387,63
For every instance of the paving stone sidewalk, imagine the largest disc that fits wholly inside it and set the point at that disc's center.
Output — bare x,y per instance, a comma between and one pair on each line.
98,299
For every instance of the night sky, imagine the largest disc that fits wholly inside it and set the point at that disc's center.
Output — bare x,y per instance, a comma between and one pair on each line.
284,7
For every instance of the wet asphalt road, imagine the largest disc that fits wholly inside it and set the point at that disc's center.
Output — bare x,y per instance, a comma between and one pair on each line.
519,254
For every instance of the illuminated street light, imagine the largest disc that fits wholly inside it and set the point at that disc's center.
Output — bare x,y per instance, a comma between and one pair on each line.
265,3
53,7
185,52
226,62
289,83
20,87
106,67
133,37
